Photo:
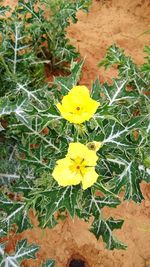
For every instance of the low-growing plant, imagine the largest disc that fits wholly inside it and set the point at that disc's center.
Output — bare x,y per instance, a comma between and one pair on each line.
65,148
114,121
31,37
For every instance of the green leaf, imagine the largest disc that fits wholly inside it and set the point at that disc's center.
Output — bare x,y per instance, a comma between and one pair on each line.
14,212
66,83
127,69
23,185
145,173
117,93
104,228
3,10
133,190
130,179
113,56
23,251
48,263
58,198
96,90
95,204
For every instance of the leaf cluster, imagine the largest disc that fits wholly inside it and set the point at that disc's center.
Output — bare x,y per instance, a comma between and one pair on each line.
31,38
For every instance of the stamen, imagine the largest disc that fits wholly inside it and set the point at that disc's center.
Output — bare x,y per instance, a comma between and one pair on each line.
82,161
81,173
87,166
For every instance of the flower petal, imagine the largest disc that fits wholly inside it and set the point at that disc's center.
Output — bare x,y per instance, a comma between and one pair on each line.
63,175
78,149
89,178
80,91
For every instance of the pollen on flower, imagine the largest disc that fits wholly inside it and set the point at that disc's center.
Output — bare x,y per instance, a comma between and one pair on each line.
77,165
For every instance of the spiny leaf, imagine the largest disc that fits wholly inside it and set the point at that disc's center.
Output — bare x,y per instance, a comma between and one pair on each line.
48,263
58,198
94,204
3,10
117,93
23,251
66,83
130,179
127,69
145,173
23,185
96,90
104,228
14,212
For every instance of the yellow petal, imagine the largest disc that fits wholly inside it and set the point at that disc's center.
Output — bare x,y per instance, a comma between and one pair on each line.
59,106
80,91
73,118
63,175
93,105
89,178
78,149
67,103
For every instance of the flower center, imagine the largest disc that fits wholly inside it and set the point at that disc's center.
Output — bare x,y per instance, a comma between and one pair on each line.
78,108
78,166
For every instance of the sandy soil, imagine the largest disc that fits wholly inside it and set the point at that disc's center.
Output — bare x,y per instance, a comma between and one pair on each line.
110,21
121,22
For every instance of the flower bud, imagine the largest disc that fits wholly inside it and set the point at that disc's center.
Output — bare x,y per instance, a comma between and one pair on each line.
94,145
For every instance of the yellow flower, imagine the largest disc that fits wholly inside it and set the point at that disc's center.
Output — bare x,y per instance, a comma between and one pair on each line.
77,167
77,106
